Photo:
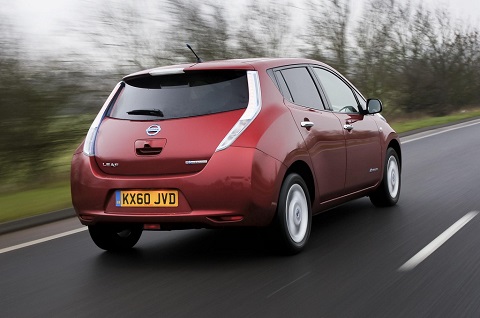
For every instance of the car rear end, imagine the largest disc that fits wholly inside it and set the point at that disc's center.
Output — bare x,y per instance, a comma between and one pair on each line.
161,153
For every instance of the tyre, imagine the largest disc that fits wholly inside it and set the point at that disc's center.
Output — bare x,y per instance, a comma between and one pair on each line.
388,192
115,237
294,214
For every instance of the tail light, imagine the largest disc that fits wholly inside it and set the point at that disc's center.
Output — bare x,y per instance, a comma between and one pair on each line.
253,108
89,144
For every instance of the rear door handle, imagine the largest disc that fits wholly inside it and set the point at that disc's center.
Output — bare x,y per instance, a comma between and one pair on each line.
348,127
306,124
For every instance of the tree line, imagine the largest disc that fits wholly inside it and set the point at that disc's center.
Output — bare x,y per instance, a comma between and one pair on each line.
418,60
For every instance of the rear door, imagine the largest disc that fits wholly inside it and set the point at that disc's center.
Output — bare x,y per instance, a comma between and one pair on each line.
361,132
321,130
169,124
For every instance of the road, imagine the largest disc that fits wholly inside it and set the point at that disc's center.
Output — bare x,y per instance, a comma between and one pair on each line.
360,261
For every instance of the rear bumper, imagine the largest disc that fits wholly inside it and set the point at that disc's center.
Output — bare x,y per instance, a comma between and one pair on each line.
238,187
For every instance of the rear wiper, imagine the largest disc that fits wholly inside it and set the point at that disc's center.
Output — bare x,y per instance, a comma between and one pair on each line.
148,112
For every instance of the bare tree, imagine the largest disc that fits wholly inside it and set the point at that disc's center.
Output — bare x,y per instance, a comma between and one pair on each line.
204,26
128,36
249,40
377,50
327,32
267,32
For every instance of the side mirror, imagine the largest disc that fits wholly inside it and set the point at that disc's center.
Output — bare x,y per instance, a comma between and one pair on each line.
374,106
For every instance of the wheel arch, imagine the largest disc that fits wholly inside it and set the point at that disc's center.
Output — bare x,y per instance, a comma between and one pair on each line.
395,144
303,170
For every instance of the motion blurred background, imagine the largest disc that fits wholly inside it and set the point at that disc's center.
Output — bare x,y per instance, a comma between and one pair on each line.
59,61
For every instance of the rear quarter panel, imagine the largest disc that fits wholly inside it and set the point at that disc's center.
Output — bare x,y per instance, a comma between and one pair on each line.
274,133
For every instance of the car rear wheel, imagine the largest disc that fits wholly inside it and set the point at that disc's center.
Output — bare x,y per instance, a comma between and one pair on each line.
115,237
388,192
294,214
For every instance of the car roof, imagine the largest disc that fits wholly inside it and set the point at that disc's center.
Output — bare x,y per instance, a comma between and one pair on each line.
234,64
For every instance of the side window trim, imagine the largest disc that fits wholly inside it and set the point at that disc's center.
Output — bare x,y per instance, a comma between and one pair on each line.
283,88
326,102
360,100
273,78
320,86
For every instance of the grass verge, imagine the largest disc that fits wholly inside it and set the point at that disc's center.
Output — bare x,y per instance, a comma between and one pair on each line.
54,197
32,202
404,125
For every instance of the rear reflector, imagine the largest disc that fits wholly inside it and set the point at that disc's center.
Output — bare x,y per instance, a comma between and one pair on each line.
151,226
87,218
227,218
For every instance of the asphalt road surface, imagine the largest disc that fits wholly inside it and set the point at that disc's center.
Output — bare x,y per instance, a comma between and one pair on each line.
418,259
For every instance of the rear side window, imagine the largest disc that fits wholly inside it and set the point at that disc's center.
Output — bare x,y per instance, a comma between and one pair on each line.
181,95
301,87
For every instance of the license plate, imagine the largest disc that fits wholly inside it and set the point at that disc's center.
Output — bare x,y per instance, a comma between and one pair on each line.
150,198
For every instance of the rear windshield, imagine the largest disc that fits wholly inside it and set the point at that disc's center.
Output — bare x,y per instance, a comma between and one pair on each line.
181,95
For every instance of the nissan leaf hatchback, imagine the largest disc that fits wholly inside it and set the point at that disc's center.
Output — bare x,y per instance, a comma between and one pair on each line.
251,143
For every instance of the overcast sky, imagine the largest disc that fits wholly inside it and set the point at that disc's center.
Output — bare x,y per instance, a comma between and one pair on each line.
40,15
47,21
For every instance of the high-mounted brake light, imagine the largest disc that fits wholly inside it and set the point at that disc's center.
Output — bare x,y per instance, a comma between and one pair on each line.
253,108
166,71
89,144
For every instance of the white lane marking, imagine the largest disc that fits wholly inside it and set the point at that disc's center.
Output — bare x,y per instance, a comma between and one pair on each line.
439,132
436,243
45,239
282,288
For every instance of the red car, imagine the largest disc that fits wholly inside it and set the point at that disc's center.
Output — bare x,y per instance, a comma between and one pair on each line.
254,142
